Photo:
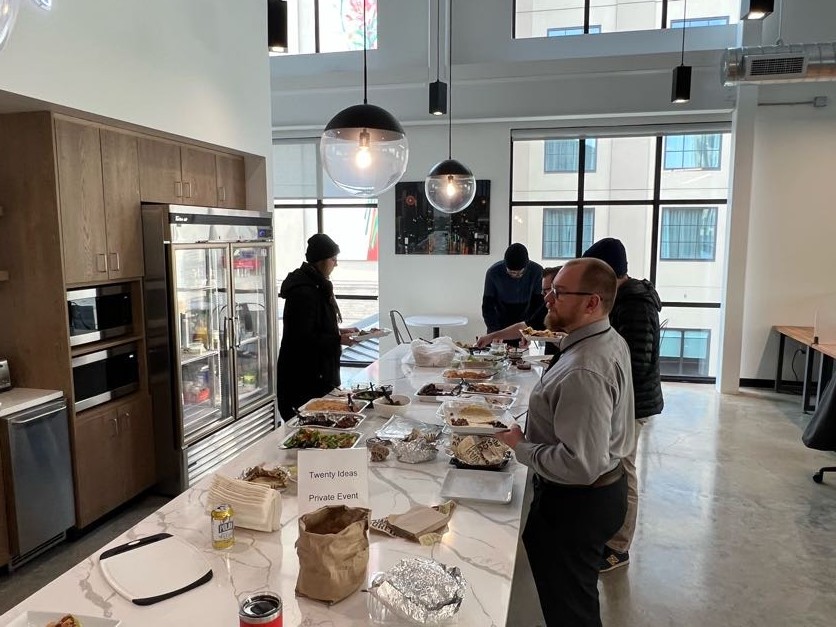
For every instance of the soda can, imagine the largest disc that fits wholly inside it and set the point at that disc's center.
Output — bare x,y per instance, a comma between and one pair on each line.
263,609
223,527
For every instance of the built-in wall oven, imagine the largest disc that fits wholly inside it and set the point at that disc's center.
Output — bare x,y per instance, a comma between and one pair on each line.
105,375
99,313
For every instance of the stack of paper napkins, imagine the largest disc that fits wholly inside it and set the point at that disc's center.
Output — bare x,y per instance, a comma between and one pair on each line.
254,506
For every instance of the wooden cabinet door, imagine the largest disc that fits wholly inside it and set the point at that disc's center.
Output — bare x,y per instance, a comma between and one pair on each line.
199,177
232,185
120,175
99,465
137,431
81,202
159,171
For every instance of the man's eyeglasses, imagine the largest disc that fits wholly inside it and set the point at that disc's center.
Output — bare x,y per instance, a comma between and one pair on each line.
556,294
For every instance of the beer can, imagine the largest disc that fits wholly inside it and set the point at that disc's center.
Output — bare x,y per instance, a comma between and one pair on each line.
263,609
223,527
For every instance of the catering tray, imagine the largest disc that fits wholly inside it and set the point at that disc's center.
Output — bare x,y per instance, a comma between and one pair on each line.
478,361
491,389
329,418
39,619
439,392
481,418
370,334
322,430
499,402
478,485
398,427
339,405
538,360
468,374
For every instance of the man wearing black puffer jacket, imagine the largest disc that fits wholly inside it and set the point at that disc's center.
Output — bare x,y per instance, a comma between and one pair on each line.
635,315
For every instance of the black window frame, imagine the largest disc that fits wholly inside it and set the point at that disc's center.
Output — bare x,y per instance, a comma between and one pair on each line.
683,152
573,168
588,212
666,211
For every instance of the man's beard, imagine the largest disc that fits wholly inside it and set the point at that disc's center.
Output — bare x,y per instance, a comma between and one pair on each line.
552,321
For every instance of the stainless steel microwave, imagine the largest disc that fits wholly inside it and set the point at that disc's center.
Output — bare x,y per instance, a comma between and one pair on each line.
99,313
105,375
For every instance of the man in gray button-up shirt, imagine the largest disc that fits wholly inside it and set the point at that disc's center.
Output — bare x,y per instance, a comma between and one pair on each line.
580,426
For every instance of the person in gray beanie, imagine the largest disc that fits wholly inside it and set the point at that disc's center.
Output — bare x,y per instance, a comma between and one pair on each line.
312,340
510,287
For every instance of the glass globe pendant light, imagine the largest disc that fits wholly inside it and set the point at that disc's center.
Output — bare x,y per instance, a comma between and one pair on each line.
450,185
364,148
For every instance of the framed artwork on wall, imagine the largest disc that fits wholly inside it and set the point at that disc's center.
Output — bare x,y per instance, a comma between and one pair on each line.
422,230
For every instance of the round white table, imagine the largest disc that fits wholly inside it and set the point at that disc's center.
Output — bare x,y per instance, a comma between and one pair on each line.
436,321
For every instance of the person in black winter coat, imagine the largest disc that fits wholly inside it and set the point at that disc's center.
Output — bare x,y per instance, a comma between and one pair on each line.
635,315
309,357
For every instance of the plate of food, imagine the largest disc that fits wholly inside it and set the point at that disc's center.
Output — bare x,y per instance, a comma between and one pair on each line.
61,619
493,389
322,438
544,335
538,360
478,452
467,374
368,392
344,421
437,392
472,417
477,361
277,478
500,402
370,334
331,404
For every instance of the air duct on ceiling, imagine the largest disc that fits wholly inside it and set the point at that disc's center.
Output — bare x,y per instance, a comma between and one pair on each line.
779,64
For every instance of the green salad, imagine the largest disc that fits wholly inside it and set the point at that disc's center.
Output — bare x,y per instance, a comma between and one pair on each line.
314,438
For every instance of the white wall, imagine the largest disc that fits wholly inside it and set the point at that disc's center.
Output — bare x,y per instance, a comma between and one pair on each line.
194,68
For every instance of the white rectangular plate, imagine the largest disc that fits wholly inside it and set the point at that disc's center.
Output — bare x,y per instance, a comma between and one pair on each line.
503,389
539,338
334,416
370,335
538,360
444,387
324,430
500,402
451,410
484,486
477,374
40,619
358,406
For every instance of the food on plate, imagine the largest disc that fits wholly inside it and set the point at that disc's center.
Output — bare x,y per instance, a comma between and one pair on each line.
464,422
378,448
313,438
277,478
65,621
321,419
346,422
431,389
465,345
483,388
324,404
371,392
367,332
542,333
417,434
477,450
466,374
459,422
523,365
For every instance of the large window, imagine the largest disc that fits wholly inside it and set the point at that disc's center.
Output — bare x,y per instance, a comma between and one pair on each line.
330,25
693,152
685,351
548,18
560,227
561,155
688,234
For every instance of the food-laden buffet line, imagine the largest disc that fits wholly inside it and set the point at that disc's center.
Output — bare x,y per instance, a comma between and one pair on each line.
480,538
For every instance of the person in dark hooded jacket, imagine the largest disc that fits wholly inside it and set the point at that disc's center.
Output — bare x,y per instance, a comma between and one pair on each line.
312,340
635,315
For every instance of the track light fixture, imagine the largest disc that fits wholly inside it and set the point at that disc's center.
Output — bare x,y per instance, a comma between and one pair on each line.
438,88
277,26
756,9
681,80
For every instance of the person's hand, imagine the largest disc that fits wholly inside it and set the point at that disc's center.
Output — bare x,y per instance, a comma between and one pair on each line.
512,437
350,330
485,340
345,337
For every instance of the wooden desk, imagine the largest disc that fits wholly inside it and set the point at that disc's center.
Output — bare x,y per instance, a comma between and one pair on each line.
827,353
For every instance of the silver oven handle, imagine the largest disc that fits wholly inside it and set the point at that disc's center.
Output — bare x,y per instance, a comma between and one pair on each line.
24,421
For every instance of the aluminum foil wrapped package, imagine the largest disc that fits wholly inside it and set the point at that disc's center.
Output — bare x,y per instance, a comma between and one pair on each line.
421,590
415,451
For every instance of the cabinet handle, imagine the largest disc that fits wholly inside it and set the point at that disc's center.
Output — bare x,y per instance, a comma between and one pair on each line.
222,193
114,258
188,187
115,423
101,262
178,189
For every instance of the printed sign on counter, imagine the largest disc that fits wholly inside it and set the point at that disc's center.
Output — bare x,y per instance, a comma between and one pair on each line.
333,477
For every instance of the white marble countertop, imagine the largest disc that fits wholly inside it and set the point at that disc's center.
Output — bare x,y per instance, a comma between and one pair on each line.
482,538
20,399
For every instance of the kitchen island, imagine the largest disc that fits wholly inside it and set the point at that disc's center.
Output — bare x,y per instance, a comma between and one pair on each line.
481,539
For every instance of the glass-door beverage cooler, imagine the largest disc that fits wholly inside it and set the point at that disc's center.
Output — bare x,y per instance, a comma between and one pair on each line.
210,335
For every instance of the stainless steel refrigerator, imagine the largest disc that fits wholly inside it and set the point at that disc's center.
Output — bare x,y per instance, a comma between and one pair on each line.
210,335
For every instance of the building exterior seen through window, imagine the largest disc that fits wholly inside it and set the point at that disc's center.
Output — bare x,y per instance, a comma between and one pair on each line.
664,196
330,25
552,18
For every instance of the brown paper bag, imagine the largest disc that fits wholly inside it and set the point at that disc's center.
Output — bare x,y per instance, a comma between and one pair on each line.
333,551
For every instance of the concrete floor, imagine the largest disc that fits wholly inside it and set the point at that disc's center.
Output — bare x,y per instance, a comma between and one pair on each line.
732,530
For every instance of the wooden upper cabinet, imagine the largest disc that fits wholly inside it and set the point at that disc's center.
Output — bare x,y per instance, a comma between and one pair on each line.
159,171
199,177
81,200
232,185
120,175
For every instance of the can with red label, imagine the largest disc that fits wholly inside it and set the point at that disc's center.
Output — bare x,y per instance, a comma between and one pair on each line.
263,609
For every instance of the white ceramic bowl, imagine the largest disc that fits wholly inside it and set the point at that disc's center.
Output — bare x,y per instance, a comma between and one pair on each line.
383,408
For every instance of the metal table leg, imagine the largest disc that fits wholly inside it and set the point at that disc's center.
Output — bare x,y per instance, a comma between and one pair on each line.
806,390
782,339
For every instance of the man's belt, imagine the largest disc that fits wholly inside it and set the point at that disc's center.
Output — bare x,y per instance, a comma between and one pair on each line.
608,478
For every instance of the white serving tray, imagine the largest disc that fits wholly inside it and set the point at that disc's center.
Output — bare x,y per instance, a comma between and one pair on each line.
40,619
503,389
334,416
538,360
358,405
366,335
546,339
484,486
326,430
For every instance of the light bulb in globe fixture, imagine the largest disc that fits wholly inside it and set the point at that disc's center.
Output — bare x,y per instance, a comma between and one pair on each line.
363,158
450,186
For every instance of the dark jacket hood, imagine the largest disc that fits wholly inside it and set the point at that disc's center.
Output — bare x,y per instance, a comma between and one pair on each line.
306,275
639,289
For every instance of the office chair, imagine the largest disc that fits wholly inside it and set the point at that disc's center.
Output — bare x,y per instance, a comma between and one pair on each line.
402,332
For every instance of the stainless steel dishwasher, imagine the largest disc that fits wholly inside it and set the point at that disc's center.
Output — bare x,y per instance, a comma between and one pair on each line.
39,478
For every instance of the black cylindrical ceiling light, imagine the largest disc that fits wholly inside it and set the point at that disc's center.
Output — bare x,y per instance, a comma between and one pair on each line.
277,25
681,80
450,185
756,9
438,88
364,148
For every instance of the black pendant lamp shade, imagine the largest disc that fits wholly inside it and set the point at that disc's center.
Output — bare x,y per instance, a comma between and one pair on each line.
277,25
756,9
681,86
350,123
438,98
